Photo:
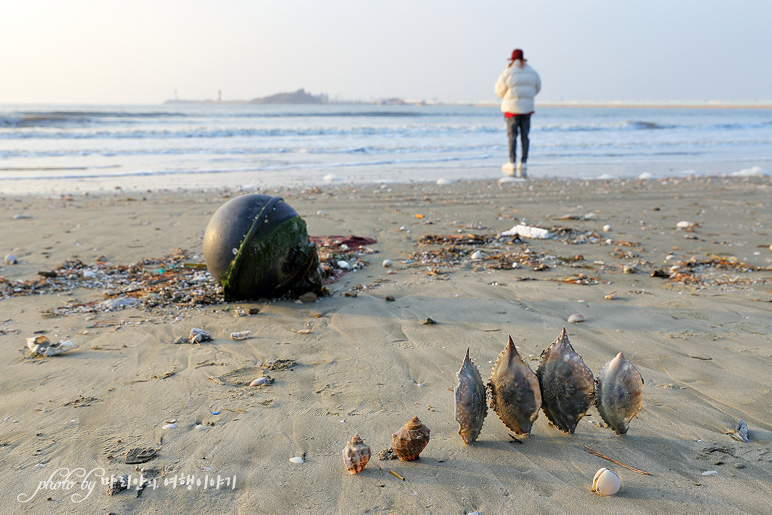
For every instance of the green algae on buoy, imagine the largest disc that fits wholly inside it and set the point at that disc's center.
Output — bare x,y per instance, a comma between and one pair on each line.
257,246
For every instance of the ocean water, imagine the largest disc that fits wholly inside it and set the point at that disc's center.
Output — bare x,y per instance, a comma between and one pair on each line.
71,148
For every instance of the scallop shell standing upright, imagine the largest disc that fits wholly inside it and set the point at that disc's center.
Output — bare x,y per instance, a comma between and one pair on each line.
410,440
567,385
515,391
619,388
356,455
470,407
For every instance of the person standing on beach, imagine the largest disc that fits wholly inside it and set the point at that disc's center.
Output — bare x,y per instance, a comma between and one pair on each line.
517,86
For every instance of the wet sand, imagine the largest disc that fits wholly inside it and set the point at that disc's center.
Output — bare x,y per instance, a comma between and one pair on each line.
362,364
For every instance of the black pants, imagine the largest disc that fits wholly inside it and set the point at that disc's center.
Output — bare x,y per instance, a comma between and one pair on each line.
522,124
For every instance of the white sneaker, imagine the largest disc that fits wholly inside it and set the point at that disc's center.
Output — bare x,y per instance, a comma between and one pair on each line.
521,170
509,169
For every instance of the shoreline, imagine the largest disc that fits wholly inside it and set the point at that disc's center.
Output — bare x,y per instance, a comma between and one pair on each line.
367,177
367,365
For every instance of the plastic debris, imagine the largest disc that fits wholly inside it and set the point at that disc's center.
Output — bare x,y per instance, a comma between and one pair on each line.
527,231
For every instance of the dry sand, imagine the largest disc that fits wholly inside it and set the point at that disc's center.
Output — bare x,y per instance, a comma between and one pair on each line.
365,365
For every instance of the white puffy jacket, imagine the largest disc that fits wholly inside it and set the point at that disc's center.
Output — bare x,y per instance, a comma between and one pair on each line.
517,87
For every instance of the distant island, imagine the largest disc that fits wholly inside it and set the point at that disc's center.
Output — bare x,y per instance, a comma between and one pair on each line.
301,97
298,97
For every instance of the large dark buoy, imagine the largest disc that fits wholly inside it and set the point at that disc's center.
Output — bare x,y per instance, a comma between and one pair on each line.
257,246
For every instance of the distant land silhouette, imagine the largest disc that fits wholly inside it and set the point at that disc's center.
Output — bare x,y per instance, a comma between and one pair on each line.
300,96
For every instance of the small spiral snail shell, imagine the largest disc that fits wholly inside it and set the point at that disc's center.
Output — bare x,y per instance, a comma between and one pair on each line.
356,455
410,440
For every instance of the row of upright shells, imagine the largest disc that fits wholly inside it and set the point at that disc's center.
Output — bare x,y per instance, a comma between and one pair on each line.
407,444
563,387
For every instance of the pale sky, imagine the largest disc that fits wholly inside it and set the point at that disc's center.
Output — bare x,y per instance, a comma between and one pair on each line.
141,51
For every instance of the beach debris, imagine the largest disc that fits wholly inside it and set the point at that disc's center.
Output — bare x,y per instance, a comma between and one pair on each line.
607,228
21,216
599,455
710,272
389,298
241,335
387,263
169,426
410,440
527,231
344,265
710,472
576,318
42,346
740,432
611,296
118,484
428,321
308,297
257,246
199,335
470,406
238,312
396,475
631,269
567,385
117,303
387,454
515,391
606,482
262,381
618,393
476,256
10,259
297,460
154,285
356,455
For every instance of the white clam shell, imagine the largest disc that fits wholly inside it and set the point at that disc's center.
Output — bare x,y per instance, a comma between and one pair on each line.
477,255
169,426
606,228
576,318
260,381
606,482
297,459
683,224
387,263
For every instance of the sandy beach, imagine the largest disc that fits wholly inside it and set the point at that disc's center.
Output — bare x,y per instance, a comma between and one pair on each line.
674,273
